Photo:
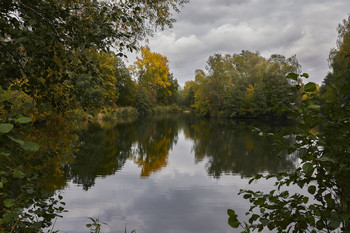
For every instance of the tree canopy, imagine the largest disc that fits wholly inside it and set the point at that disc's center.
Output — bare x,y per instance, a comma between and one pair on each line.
156,85
44,43
243,85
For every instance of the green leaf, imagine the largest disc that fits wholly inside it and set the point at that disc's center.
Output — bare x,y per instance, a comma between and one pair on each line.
311,189
30,191
326,159
18,174
32,146
334,224
305,75
247,196
233,222
5,154
9,202
264,221
1,185
293,76
314,107
23,120
310,87
260,201
253,218
19,141
305,200
231,213
308,167
6,128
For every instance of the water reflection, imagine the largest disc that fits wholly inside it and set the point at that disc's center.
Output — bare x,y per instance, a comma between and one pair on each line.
226,146
102,152
231,147
154,139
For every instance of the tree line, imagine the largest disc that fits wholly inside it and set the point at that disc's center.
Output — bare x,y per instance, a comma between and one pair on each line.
243,85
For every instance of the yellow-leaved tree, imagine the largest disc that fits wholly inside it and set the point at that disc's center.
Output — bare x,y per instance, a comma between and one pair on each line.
152,72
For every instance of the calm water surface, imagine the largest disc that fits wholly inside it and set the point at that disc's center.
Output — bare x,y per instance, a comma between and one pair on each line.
170,174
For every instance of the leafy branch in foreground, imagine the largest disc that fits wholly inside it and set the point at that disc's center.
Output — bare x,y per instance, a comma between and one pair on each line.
321,141
25,206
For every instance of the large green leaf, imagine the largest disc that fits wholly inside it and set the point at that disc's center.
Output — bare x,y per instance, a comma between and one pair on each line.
5,154
32,146
18,174
293,76
307,167
6,127
23,120
19,141
310,87
311,189
9,202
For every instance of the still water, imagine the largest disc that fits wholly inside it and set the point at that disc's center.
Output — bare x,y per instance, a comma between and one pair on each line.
171,174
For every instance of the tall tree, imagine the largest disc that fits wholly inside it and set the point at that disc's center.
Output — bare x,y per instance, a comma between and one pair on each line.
39,39
244,84
152,72
338,79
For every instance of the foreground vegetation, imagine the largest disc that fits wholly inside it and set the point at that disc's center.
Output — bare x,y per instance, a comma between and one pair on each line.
321,139
57,67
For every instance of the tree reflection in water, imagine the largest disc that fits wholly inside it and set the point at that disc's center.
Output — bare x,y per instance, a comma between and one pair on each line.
227,146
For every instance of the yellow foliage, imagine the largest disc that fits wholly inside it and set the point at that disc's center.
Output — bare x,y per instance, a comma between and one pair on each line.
316,92
152,70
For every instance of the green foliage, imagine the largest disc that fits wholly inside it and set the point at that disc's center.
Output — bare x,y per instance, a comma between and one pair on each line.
337,80
44,45
143,102
186,96
126,86
18,182
169,95
321,142
124,112
244,85
54,60
166,109
95,225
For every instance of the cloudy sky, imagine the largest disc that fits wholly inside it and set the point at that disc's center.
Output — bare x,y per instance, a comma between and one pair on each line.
305,28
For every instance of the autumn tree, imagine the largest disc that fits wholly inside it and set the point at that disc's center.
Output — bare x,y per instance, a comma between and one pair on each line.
54,58
41,39
153,75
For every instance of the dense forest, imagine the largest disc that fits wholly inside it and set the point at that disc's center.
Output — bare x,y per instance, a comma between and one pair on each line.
61,63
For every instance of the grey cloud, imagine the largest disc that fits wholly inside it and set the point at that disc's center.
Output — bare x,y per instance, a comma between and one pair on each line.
306,29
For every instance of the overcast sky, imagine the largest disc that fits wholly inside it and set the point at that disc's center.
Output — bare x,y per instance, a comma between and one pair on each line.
305,28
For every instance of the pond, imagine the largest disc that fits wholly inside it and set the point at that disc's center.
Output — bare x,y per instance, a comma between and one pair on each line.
166,174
